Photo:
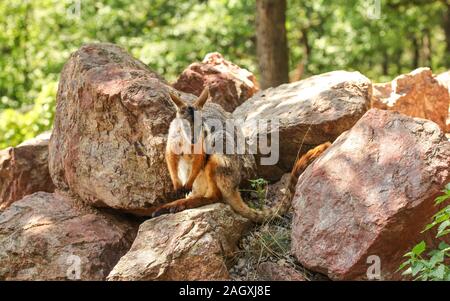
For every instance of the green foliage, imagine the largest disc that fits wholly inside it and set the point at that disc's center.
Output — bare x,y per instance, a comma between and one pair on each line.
37,38
433,266
167,35
342,35
17,125
259,188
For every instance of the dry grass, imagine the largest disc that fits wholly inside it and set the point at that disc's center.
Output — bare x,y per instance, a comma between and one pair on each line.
268,242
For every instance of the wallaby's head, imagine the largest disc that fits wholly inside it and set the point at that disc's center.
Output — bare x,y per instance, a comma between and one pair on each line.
190,114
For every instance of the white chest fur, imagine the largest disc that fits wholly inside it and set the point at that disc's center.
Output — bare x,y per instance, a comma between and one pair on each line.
184,170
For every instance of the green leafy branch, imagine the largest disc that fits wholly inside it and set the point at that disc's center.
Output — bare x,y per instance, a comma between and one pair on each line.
433,266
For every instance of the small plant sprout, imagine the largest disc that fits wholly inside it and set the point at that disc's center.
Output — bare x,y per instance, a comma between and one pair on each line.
259,188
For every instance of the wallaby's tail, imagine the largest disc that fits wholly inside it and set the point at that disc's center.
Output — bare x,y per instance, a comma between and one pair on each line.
235,201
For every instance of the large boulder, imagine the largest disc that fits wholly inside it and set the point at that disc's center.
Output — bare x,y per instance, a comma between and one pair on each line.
416,94
24,170
48,236
229,85
310,112
190,245
444,79
110,130
370,193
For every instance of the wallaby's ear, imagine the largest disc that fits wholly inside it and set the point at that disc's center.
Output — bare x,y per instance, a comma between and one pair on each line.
202,98
177,100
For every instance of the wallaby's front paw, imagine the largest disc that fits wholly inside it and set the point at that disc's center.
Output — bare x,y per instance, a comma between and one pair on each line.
160,211
182,191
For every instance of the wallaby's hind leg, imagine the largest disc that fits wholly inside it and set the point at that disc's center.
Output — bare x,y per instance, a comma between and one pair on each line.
183,204
207,196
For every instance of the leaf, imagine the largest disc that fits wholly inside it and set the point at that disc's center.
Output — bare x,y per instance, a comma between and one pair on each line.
443,245
432,252
439,217
419,248
429,226
403,265
441,199
438,257
442,216
407,272
439,273
416,268
443,233
409,254
447,278
443,226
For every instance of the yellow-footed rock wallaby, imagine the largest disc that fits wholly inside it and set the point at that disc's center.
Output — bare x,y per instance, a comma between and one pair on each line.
210,175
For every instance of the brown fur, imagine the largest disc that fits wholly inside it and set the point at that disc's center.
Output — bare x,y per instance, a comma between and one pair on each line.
216,178
234,199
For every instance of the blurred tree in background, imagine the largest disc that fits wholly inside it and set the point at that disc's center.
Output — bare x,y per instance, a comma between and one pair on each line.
271,43
37,37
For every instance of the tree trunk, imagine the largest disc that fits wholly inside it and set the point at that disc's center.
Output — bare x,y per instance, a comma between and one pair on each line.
271,42
446,25
300,69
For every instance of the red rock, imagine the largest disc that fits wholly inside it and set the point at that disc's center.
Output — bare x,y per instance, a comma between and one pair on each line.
416,94
49,236
24,170
310,112
229,84
110,130
190,245
370,193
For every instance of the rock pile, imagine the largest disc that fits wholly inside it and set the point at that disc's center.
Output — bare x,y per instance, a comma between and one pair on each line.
65,201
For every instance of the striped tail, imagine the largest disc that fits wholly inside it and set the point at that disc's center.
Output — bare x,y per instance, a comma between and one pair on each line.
234,199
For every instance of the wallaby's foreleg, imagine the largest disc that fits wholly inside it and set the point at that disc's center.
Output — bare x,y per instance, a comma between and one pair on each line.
172,164
197,165
212,195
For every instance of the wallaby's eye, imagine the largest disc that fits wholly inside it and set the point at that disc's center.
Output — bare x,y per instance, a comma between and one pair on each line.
187,113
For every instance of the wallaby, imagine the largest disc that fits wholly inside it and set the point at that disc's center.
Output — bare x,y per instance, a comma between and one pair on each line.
214,177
